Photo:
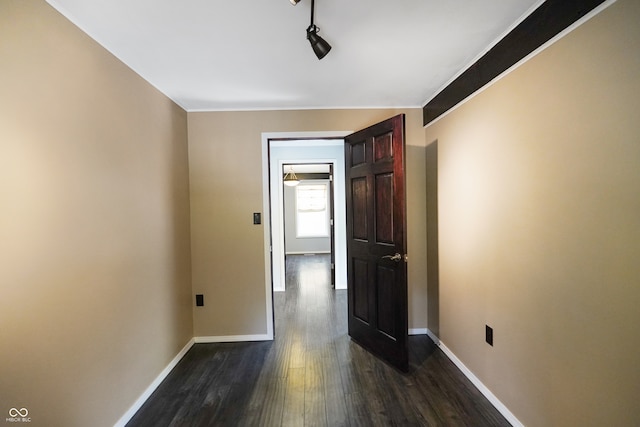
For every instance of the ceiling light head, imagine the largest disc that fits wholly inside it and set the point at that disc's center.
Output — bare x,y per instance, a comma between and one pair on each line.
290,178
318,44
294,2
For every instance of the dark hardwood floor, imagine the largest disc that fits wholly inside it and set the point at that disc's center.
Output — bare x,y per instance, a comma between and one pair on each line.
312,374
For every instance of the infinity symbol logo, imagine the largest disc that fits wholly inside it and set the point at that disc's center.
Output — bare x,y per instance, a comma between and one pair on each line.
22,412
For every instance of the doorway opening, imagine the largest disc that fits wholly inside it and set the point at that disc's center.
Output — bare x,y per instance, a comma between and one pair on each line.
307,148
308,213
284,154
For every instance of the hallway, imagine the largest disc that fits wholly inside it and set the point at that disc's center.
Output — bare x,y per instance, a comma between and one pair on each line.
313,374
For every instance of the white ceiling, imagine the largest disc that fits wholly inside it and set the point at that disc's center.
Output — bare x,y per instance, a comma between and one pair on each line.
253,54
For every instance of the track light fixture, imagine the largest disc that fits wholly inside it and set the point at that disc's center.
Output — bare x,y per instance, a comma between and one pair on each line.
318,44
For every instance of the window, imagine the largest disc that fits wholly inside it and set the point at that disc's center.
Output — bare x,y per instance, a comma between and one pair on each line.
312,213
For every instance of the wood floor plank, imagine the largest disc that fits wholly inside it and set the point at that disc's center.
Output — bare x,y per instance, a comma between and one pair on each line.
335,405
266,405
312,374
293,412
314,398
357,410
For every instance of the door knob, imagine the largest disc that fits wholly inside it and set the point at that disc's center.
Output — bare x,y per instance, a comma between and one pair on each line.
397,257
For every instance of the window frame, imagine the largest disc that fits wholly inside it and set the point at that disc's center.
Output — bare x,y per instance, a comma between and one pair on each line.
326,232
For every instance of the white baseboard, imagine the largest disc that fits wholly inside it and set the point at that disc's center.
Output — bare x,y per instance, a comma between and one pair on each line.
339,286
153,386
433,337
233,338
483,389
417,331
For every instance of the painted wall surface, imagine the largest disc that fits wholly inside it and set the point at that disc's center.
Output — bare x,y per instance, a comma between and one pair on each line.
228,250
293,243
538,181
94,225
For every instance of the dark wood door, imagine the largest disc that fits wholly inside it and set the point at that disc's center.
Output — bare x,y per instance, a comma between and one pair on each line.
376,240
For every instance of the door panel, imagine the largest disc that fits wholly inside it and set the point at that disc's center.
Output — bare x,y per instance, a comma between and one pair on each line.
376,240
357,154
360,291
386,300
383,147
359,211
384,208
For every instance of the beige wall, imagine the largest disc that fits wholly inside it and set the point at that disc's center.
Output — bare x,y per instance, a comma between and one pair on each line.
539,222
94,225
225,158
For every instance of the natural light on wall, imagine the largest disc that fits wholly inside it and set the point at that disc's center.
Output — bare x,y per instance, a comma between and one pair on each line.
312,215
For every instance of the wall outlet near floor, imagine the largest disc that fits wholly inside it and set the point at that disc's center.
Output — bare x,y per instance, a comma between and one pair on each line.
488,335
199,300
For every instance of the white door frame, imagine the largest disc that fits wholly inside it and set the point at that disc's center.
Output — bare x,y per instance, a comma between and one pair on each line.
274,256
